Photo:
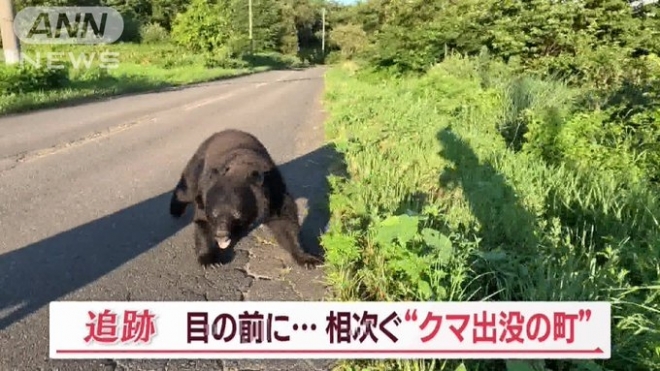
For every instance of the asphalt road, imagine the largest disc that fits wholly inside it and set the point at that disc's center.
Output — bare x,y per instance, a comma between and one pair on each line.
84,212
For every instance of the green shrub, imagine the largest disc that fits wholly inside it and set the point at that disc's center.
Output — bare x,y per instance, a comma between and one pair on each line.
132,25
351,40
24,78
589,40
153,33
222,58
274,60
289,44
204,27
616,133
289,60
333,57
437,205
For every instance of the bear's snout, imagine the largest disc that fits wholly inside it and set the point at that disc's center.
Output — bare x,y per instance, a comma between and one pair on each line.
222,239
223,243
222,236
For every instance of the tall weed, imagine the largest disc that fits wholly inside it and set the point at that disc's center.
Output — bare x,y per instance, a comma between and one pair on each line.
445,201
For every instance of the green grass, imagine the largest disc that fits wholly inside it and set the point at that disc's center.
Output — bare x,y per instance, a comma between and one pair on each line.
436,205
141,68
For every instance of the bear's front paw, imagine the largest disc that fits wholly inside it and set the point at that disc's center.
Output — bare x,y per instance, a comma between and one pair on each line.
308,261
208,259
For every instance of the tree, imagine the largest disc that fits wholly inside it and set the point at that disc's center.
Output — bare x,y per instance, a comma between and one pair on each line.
350,39
205,27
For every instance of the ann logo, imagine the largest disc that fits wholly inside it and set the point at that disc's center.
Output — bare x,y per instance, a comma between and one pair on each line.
68,25
77,29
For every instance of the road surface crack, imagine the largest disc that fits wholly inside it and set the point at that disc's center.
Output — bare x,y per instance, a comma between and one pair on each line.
295,289
253,275
245,295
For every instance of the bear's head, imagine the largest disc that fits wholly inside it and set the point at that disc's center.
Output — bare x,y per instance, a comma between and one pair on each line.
231,207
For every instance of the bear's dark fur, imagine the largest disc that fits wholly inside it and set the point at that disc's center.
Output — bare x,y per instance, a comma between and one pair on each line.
235,185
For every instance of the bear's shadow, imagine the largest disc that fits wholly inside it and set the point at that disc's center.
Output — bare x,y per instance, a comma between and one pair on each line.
306,178
47,270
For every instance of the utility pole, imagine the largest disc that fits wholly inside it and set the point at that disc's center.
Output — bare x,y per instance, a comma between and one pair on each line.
250,26
323,32
10,43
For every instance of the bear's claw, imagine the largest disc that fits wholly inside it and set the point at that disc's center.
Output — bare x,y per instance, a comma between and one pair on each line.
208,259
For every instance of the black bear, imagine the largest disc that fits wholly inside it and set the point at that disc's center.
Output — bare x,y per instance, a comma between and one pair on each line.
235,186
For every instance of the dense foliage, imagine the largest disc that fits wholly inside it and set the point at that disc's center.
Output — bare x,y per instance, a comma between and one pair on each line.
500,150
278,25
215,31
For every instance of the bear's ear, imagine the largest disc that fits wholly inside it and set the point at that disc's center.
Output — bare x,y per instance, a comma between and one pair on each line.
256,177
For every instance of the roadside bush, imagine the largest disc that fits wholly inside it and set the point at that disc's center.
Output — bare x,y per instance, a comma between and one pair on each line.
222,57
142,67
609,125
204,27
350,39
437,205
333,57
287,60
581,40
24,78
132,25
153,33
275,60
530,172
289,44
601,119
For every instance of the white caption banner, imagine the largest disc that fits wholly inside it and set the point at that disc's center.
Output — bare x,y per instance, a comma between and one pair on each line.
330,330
